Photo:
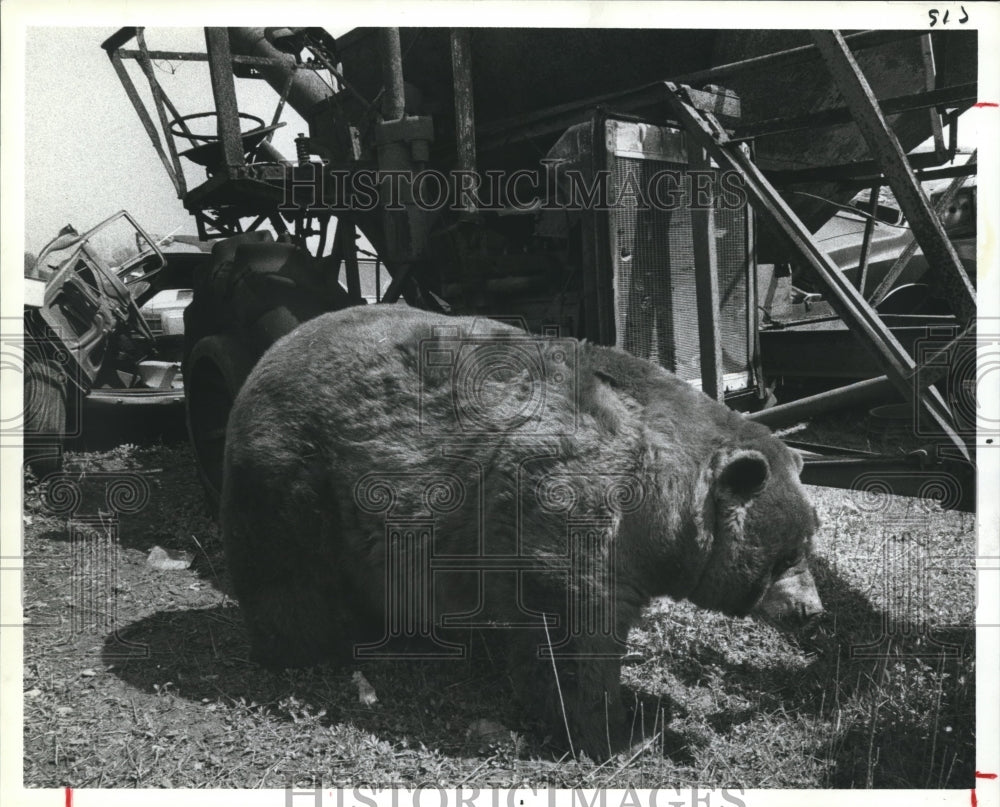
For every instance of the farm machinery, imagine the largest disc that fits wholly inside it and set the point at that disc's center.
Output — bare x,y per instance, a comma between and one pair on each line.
529,174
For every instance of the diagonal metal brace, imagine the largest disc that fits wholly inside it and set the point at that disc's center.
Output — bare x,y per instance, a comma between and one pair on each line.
943,265
161,101
845,299
910,249
146,121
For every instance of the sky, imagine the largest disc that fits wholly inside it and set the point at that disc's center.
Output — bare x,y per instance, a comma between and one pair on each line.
88,156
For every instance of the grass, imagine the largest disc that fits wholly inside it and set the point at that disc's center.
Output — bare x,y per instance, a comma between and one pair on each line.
137,677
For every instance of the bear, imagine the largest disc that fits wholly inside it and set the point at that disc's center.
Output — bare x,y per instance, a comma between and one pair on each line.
396,480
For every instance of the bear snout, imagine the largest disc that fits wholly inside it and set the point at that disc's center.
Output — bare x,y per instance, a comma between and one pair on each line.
792,601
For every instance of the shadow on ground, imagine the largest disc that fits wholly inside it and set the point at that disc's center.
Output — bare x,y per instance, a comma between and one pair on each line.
202,655
921,731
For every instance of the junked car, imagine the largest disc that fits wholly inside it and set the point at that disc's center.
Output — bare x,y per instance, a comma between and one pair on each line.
842,238
103,322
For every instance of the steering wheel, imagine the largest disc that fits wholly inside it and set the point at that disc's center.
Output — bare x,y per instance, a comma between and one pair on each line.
179,131
208,152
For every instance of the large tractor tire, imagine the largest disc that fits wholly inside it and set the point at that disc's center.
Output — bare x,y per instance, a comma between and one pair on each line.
44,413
215,370
255,292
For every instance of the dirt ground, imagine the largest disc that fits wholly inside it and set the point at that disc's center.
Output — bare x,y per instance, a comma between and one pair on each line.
138,677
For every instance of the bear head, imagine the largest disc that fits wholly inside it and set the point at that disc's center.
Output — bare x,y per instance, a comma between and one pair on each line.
757,527
730,525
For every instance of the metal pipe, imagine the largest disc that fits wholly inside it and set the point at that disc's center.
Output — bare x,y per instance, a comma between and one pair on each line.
465,117
912,475
871,391
306,89
393,100
349,245
935,367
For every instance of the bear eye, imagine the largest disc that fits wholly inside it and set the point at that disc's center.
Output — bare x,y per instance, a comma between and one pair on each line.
785,562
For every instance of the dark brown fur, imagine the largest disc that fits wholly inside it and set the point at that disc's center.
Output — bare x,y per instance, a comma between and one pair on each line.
709,507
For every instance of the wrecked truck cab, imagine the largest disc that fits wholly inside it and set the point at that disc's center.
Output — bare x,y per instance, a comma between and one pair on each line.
85,335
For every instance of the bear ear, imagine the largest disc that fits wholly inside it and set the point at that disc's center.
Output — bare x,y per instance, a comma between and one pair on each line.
743,473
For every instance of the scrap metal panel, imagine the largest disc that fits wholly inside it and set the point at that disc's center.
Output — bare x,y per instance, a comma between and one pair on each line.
655,303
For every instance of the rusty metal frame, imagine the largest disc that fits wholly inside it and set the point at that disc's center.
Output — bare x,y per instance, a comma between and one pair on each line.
345,250
187,56
561,117
221,62
869,391
944,267
911,248
954,96
220,67
845,299
947,172
866,241
931,82
706,280
162,102
168,155
599,321
864,172
465,115
598,273
916,474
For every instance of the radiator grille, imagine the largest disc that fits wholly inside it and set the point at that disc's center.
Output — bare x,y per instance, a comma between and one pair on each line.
654,282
